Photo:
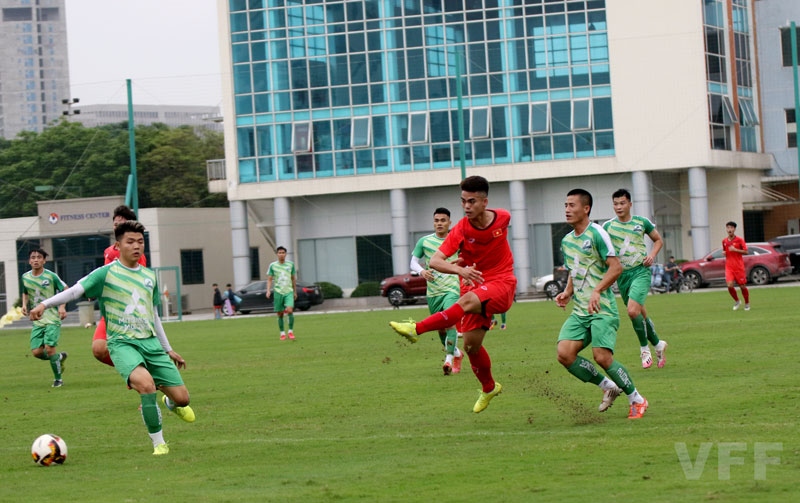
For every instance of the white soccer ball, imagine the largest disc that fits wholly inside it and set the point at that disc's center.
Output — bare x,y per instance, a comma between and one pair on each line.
88,325
48,450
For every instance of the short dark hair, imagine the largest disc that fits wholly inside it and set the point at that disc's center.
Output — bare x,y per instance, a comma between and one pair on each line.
731,223
39,251
622,193
214,285
281,248
128,226
228,285
475,184
442,211
125,212
586,197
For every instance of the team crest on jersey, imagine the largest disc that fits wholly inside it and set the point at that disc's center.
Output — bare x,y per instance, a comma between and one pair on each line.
45,283
587,245
497,233
638,228
148,283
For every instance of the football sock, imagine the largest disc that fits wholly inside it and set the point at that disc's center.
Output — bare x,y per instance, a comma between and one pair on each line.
585,370
157,438
607,384
635,397
151,413
443,338
291,321
640,329
457,352
620,376
502,318
746,294
280,323
442,319
482,368
55,365
652,336
451,339
732,291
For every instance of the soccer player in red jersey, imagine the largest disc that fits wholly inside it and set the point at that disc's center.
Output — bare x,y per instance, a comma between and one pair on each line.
486,268
99,343
735,249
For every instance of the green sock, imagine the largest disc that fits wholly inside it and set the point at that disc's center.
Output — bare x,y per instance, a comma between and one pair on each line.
585,370
450,341
291,321
503,318
640,329
151,413
621,378
55,365
280,323
443,338
652,336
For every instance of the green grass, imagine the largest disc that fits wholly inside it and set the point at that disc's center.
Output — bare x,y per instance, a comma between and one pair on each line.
352,412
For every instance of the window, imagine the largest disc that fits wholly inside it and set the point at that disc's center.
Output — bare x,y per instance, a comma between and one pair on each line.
418,130
26,14
791,128
581,115
480,127
360,133
747,114
192,272
301,137
786,45
540,118
728,115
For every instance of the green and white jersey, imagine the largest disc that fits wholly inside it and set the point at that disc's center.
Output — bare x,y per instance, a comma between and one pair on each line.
282,276
43,287
127,299
628,239
441,283
585,257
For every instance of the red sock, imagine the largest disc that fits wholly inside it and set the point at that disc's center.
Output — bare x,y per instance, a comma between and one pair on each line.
442,319
746,295
482,368
732,291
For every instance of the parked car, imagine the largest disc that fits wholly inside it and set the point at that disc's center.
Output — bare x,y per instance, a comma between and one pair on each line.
405,288
552,284
764,263
254,297
791,244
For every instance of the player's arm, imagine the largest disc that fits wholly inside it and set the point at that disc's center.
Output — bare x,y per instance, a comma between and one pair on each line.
25,303
658,243
610,276
269,284
72,293
294,285
416,266
562,299
440,263
161,335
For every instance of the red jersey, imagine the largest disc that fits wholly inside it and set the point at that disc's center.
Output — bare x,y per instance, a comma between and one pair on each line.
734,260
112,253
487,248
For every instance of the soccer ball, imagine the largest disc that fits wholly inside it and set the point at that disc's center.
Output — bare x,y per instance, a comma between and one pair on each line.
48,450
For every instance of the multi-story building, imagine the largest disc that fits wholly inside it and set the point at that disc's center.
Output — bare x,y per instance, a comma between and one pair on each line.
144,115
34,67
348,122
778,114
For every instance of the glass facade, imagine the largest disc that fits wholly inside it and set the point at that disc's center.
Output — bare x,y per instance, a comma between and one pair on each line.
341,88
729,70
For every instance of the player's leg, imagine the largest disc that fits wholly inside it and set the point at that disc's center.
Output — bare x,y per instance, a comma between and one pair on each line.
742,280
502,321
288,302
99,344
52,333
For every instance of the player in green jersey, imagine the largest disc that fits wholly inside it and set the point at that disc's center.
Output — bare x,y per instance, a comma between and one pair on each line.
443,290
37,285
593,267
283,275
627,234
128,294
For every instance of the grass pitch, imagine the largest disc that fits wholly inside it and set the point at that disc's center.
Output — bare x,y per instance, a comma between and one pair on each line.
352,412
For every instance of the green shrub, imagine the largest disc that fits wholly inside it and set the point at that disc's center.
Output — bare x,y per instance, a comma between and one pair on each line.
368,289
330,291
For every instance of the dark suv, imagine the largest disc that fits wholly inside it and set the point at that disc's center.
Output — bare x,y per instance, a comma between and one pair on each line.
404,288
790,244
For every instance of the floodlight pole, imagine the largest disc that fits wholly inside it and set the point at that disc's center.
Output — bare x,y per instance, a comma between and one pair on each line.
132,192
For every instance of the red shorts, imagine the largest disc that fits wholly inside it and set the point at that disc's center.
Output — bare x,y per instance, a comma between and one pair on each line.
100,331
736,275
496,297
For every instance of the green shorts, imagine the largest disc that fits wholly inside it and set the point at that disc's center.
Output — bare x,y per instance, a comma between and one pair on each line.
283,300
127,354
599,330
45,335
442,302
634,284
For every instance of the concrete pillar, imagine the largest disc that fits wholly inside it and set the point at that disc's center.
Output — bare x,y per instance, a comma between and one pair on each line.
698,209
401,254
283,226
240,243
519,235
642,198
